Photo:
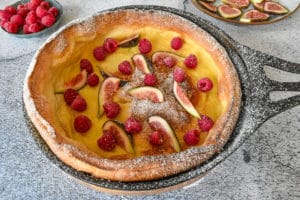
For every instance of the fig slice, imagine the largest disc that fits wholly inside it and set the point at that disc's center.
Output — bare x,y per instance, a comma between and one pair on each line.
157,123
131,41
229,12
275,8
142,63
184,100
106,91
146,92
76,83
122,138
254,16
159,56
237,3
105,76
208,6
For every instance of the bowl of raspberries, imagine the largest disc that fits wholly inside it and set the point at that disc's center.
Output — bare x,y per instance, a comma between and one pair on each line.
30,18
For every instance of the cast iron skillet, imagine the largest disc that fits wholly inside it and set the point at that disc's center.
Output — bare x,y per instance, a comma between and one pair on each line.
256,109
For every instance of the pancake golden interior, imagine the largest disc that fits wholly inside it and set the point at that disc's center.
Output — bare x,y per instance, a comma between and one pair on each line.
179,110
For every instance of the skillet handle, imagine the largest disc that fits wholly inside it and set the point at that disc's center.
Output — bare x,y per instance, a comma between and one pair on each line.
259,86
275,107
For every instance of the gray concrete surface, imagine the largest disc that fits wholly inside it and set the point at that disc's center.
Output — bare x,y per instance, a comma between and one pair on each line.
266,166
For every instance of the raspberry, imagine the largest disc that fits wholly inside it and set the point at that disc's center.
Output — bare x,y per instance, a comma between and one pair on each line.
82,123
110,45
79,104
23,12
31,18
32,5
87,65
107,142
204,84
11,27
205,123
99,53
145,46
133,125
169,61
125,67
45,5
12,10
93,80
5,15
191,61
41,12
48,20
26,29
191,137
36,1
54,11
111,109
179,75
176,43
17,19
156,138
150,79
34,28
70,95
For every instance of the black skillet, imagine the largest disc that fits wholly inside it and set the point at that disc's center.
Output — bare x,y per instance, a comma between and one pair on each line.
256,109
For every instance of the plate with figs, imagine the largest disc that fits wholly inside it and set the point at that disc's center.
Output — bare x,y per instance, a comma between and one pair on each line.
248,11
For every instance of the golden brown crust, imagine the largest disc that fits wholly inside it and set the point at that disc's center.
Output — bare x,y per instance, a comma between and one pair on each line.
39,95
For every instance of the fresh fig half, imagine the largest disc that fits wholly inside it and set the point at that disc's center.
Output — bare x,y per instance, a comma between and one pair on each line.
184,100
159,56
106,92
229,12
131,41
122,138
208,6
254,16
275,8
76,83
142,63
157,123
237,3
146,92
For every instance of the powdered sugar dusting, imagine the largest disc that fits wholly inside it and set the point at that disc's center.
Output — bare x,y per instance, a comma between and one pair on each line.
87,29
61,44
169,109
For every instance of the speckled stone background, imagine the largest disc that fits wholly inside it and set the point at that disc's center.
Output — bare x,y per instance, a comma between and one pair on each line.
266,166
